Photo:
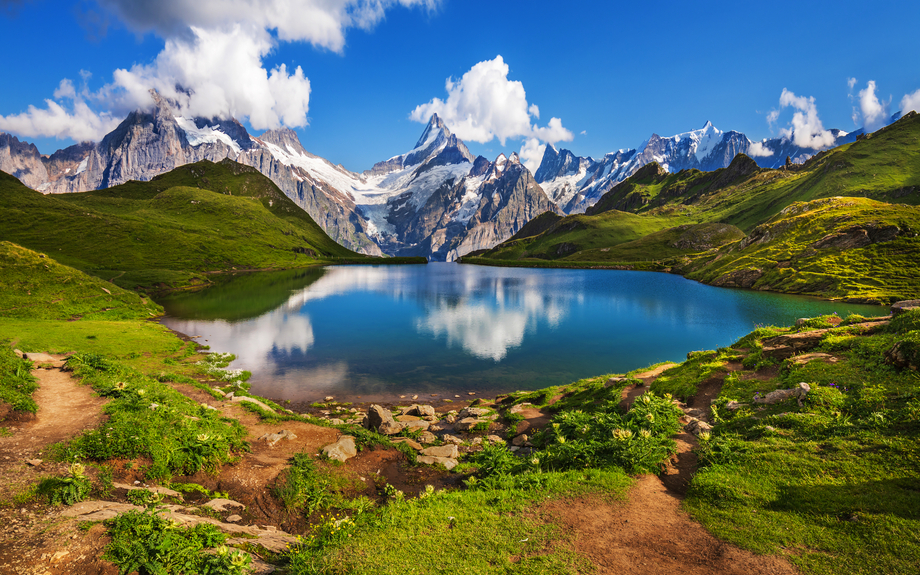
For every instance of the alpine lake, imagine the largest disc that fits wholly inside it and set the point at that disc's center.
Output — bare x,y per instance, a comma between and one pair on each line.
375,333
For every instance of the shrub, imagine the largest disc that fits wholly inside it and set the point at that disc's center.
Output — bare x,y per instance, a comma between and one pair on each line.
66,490
303,487
147,542
905,322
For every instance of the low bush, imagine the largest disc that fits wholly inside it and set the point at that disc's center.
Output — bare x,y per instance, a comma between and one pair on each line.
66,490
303,487
148,543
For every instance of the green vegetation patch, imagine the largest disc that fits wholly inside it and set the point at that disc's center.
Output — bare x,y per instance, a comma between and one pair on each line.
17,384
682,380
150,420
830,482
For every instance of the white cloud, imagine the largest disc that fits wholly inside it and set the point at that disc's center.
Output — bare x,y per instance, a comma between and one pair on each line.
874,113
211,63
61,119
772,117
531,154
584,132
484,104
851,82
910,102
806,130
758,150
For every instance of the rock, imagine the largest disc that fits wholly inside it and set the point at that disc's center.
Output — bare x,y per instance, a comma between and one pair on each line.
520,407
904,306
218,392
514,448
448,438
733,405
476,441
900,355
406,418
221,505
37,357
342,450
615,381
410,442
328,398
697,427
696,413
495,439
273,438
34,462
449,450
449,419
153,488
799,392
336,421
378,415
520,439
392,428
243,398
234,519
801,321
467,424
19,353
422,410
418,424
58,555
432,460
474,412
427,437
206,406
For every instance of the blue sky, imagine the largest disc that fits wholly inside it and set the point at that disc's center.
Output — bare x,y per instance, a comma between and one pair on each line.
612,73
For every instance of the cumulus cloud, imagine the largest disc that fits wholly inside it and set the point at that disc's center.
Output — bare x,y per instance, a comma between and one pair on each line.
211,63
851,82
806,129
874,112
68,116
484,104
910,102
531,154
758,150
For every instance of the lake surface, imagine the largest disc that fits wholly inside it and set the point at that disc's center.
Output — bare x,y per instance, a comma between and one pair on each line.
377,332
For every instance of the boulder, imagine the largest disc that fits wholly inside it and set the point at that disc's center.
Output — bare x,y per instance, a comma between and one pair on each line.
448,438
615,381
222,505
520,439
422,410
411,443
520,407
799,392
417,424
495,439
449,450
342,450
903,355
427,437
407,418
274,438
733,405
378,415
467,424
447,462
697,427
904,306
391,427
37,357
473,412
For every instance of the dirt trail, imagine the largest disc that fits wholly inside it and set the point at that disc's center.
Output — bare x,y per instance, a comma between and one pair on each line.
30,541
650,534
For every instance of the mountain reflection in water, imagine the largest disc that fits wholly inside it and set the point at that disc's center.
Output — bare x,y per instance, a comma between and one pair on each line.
383,331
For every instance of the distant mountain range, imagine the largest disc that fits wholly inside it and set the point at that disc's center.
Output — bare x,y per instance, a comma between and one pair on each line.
436,200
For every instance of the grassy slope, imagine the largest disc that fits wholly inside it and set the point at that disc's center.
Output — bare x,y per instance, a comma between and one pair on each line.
199,218
884,166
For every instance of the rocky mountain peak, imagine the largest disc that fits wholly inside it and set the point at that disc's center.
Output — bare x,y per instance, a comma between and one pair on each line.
283,138
480,166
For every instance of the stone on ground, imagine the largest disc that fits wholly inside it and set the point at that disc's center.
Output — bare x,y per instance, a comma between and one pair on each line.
342,450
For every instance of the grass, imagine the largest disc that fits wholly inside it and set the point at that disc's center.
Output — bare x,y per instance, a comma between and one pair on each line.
172,231
486,530
832,484
17,384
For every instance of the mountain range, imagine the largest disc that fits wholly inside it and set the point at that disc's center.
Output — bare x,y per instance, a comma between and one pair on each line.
436,200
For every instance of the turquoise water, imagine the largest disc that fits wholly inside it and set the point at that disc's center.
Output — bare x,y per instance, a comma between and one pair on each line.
378,332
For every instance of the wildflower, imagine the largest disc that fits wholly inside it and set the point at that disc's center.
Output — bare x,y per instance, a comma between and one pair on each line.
153,406
238,560
121,385
141,392
78,470
650,416
535,461
560,439
203,437
222,550
622,434
705,436
645,433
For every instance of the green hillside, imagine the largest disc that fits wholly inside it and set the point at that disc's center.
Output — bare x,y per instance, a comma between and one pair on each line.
171,231
35,286
862,247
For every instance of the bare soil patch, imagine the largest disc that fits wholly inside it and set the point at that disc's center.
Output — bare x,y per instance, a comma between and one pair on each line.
649,535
